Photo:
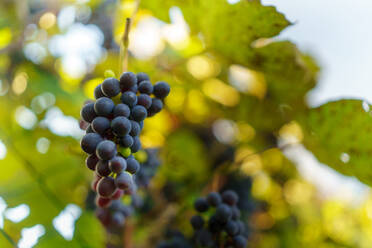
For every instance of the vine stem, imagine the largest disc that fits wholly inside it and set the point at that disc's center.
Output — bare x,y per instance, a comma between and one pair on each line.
7,237
125,45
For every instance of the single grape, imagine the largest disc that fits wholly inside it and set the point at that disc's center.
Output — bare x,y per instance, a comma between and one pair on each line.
98,92
106,187
214,199
161,89
230,197
126,141
91,162
121,126
139,113
136,129
121,110
201,205
141,76
144,100
197,222
129,98
240,241
110,87
127,80
88,113
104,106
136,146
232,228
100,125
214,224
117,164
102,168
156,107
103,202
118,219
89,142
132,165
145,87
223,213
106,150
133,89
124,180
235,213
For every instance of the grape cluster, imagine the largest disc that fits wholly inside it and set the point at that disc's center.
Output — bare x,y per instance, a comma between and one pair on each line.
113,125
224,227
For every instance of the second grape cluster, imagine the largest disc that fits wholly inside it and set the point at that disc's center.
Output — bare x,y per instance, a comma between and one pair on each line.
113,124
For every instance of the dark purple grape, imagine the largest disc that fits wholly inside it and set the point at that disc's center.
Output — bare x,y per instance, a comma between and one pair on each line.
197,222
126,141
100,125
121,126
106,150
232,228
110,87
91,162
117,164
89,142
161,89
129,98
118,219
102,168
223,213
201,205
145,87
230,197
144,100
235,213
104,106
139,113
127,80
214,199
141,76
156,107
121,110
98,92
106,187
132,165
240,241
124,180
136,146
214,225
136,129
88,113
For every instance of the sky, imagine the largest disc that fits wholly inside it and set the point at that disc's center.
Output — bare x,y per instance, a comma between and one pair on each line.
339,34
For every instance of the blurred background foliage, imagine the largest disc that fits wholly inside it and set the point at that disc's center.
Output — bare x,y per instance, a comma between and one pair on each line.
234,118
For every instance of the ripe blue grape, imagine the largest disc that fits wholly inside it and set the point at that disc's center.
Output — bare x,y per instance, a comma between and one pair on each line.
136,146
104,106
117,164
136,128
91,162
126,141
88,113
214,199
106,187
161,89
132,165
156,107
145,87
127,80
144,100
110,87
139,113
124,180
121,126
129,98
141,76
106,150
197,222
100,125
201,205
89,142
98,92
121,110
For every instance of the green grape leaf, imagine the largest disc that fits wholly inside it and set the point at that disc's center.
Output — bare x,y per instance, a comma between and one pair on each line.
339,134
